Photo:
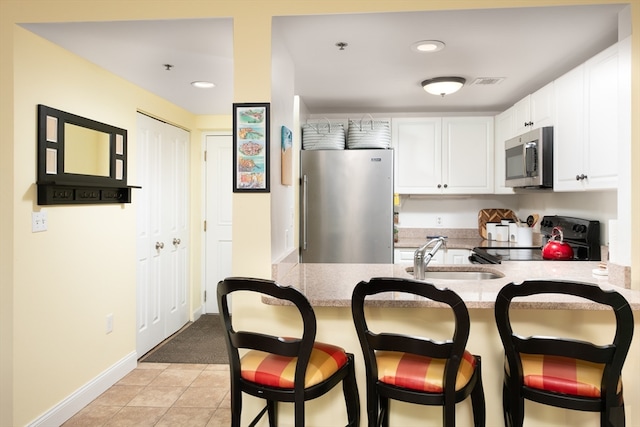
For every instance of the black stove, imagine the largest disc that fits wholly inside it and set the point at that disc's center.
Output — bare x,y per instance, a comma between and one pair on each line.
583,235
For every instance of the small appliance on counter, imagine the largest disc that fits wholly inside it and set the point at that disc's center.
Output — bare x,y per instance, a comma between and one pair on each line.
581,235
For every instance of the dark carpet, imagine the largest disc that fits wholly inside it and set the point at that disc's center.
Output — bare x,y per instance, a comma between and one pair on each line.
199,342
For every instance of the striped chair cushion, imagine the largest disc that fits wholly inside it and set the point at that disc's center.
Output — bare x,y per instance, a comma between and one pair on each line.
279,371
563,375
419,372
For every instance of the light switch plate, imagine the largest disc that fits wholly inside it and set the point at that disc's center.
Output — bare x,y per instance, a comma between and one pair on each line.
39,221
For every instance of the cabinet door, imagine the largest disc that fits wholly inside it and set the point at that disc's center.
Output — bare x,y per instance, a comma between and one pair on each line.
535,110
522,115
504,128
543,107
601,136
568,131
467,155
403,255
457,256
586,130
417,143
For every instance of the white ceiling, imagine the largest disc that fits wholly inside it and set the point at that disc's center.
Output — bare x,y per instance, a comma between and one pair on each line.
377,71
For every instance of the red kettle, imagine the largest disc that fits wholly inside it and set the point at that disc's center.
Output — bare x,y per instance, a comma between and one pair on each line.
557,249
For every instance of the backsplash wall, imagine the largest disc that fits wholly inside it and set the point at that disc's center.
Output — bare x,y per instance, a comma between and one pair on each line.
462,211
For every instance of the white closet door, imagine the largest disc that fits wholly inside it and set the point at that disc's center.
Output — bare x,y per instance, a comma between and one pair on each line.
162,231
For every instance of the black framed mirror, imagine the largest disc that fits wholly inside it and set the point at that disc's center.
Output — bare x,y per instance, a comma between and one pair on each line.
80,160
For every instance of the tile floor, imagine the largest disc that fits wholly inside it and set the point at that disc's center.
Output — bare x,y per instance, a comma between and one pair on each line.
162,394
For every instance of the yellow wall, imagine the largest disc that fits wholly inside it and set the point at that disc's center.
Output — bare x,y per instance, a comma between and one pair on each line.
54,289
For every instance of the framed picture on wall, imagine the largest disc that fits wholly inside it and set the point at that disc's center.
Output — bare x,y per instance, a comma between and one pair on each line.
251,147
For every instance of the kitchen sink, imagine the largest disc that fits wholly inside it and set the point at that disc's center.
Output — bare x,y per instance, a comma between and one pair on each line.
463,273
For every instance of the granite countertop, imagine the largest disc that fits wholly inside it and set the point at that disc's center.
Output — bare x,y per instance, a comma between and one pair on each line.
331,285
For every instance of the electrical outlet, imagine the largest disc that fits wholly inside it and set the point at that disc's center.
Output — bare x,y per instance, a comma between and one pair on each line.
439,221
39,221
109,323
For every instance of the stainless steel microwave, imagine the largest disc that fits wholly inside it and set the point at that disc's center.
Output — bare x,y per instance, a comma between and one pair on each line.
529,159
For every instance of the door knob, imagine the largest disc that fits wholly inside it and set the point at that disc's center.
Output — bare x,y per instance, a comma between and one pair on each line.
159,245
176,241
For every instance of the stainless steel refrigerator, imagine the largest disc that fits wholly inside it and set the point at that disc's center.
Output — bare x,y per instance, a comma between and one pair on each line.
346,206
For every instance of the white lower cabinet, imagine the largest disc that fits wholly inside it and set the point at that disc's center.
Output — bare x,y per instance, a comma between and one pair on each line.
457,256
449,256
449,155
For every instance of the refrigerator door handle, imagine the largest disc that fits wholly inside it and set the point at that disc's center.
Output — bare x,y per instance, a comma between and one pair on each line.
304,212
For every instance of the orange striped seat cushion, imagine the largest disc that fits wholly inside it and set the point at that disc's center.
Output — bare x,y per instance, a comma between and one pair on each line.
279,371
419,372
563,375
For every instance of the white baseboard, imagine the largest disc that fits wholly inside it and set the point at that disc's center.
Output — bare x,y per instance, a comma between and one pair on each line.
87,393
197,312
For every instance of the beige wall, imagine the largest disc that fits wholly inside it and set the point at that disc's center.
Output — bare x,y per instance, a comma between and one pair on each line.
52,306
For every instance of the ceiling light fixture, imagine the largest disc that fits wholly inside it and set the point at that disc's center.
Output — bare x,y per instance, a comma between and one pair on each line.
427,46
202,85
443,85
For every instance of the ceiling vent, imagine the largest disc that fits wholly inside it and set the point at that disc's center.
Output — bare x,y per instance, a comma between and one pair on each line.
488,81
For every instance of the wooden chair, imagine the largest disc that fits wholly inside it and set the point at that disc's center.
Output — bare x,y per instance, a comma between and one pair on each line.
414,369
283,369
564,372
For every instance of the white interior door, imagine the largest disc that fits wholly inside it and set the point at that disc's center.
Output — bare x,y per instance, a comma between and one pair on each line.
162,232
218,210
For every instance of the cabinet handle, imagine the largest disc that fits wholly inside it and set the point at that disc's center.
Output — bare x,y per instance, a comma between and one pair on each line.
159,245
176,241
439,185
581,177
446,185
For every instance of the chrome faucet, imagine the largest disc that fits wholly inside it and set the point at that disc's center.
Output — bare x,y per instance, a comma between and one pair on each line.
420,260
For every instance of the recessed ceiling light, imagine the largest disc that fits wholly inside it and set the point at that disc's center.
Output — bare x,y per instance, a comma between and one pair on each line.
427,46
202,85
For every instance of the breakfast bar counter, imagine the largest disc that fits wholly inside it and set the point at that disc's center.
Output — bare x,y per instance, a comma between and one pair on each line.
331,285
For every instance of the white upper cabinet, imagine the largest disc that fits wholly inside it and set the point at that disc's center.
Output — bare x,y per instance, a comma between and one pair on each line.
534,111
451,155
418,153
467,155
587,126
